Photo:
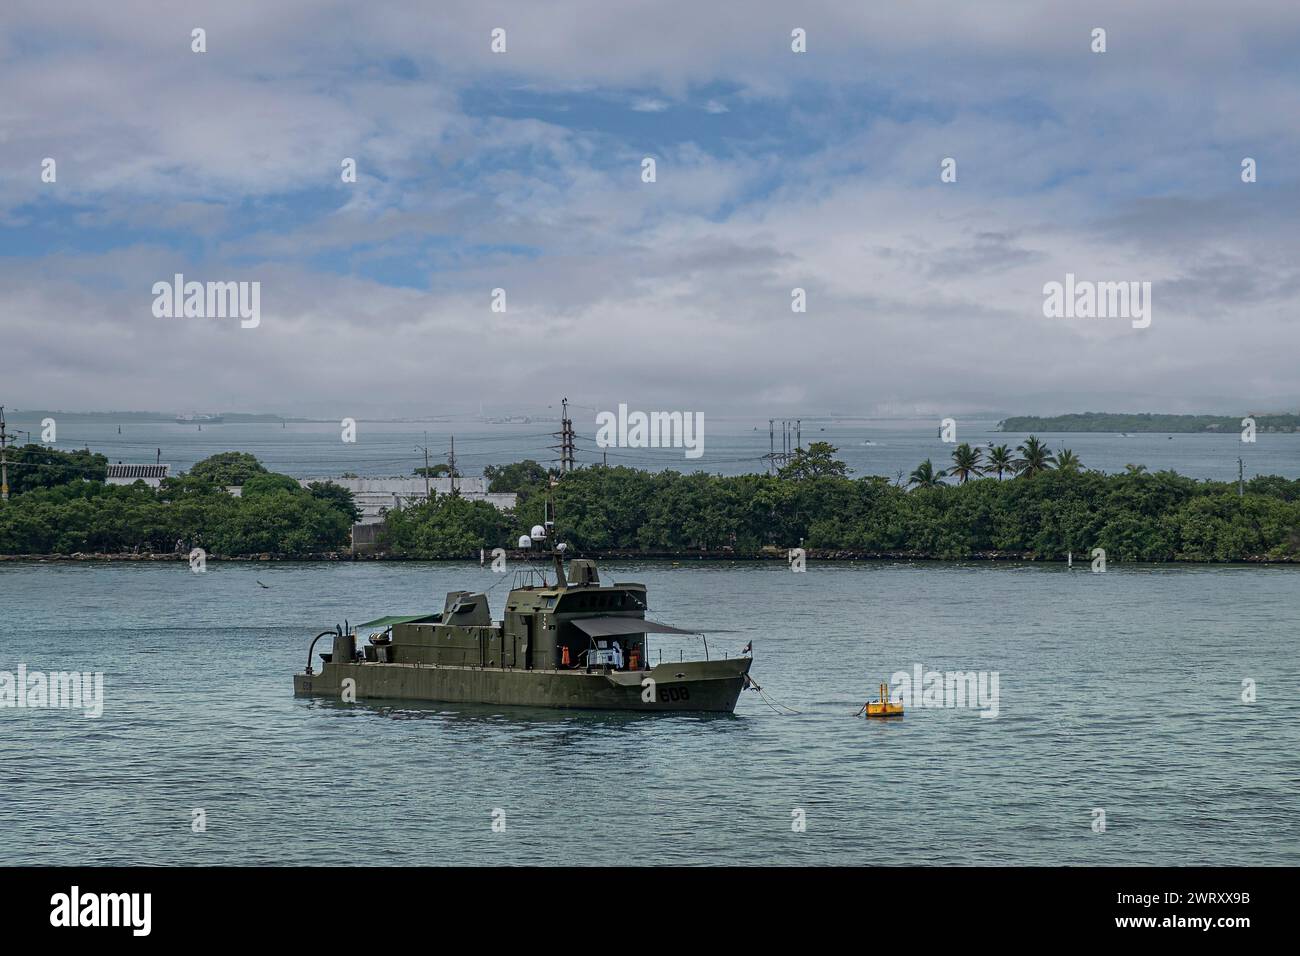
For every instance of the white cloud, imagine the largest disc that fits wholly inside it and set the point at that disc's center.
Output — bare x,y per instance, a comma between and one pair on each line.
920,293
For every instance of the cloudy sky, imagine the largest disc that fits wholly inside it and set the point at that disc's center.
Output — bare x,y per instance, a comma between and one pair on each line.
522,171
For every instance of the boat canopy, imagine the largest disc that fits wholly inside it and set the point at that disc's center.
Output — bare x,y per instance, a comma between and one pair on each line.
610,625
398,619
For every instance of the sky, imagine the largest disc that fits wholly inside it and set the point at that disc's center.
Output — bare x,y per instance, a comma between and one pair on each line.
775,170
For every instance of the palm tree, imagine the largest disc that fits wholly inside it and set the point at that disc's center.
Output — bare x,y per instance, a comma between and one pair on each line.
1035,457
1000,460
1133,469
925,476
966,462
1067,460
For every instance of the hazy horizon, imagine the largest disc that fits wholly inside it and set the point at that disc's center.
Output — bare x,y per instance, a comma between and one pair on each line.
576,411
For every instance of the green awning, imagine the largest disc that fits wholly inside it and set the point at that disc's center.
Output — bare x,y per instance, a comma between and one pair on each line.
613,625
398,619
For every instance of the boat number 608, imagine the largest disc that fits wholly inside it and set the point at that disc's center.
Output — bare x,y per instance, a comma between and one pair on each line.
674,693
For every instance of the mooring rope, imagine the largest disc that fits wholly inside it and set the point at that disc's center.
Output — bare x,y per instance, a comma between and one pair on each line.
750,682
791,710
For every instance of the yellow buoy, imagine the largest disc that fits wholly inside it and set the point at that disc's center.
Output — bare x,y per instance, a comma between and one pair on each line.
883,707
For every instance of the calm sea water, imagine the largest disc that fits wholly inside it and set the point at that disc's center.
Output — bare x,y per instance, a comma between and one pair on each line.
884,447
1118,691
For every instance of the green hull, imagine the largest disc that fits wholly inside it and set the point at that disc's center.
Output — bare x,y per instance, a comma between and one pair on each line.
692,686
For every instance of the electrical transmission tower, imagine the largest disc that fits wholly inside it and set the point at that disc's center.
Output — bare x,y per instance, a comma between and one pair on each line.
4,461
791,441
567,445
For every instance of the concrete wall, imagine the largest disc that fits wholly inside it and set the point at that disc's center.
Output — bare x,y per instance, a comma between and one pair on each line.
365,538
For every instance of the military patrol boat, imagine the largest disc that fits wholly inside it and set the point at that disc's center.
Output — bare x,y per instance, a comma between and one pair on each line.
571,643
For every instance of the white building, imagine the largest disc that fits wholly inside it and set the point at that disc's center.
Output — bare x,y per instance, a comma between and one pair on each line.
375,494
151,475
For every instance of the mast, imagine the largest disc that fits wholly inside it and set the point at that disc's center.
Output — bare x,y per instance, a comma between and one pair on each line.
548,523
560,580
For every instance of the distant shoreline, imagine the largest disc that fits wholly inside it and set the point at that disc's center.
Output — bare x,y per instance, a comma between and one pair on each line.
1148,423
237,418
153,418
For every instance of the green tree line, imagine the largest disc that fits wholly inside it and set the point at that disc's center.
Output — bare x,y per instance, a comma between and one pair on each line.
1029,501
1052,505
62,510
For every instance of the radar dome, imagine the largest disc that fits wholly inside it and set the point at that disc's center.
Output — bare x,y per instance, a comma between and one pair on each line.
538,531
525,541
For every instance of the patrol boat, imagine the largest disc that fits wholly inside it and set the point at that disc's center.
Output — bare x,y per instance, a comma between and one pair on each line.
571,642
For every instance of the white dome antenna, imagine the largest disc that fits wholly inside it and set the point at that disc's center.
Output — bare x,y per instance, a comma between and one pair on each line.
538,531
525,542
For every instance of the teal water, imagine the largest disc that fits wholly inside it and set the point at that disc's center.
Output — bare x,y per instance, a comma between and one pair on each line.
731,446
1118,691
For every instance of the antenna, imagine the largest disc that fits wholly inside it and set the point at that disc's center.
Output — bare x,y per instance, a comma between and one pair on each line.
545,531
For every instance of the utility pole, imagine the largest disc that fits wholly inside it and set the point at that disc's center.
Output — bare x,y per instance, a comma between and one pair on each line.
4,461
425,448
451,463
426,466
566,447
566,426
1241,480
